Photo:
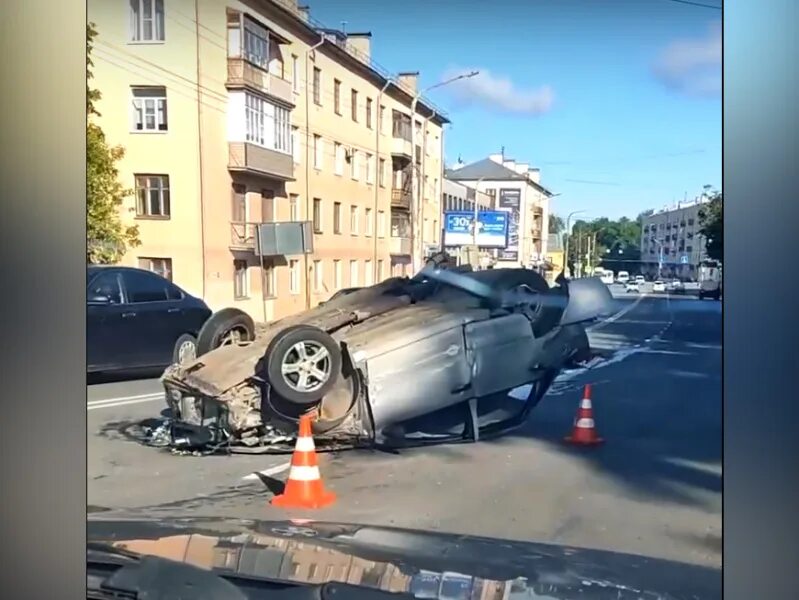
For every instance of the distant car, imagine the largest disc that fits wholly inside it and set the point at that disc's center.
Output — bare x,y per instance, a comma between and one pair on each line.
659,286
136,319
639,279
676,286
632,286
623,277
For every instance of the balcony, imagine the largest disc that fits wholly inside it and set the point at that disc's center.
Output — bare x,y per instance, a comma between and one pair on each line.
400,246
401,147
250,158
401,199
241,74
242,236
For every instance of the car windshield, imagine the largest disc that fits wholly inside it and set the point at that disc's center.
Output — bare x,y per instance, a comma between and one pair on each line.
445,269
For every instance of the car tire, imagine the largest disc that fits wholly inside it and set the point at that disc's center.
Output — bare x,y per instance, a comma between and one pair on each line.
185,349
286,342
227,323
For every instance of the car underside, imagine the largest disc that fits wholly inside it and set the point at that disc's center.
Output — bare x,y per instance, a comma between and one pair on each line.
448,355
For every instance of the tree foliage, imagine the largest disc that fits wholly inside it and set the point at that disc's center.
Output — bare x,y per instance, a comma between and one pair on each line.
712,226
107,237
604,242
556,224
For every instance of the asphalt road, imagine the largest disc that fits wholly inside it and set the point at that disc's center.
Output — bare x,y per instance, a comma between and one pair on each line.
653,488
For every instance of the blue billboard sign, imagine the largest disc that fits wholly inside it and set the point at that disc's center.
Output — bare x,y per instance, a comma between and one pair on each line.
492,228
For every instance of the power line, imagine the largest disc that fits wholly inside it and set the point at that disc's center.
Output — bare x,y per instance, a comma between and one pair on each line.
699,4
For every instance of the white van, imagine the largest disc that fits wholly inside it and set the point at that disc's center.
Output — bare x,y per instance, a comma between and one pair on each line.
623,277
607,277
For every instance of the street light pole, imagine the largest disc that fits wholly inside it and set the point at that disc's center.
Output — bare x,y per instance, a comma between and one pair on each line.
417,231
568,239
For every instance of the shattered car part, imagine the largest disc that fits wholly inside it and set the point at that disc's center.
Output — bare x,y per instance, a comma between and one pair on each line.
425,359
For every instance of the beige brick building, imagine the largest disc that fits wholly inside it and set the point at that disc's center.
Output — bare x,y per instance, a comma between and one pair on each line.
238,113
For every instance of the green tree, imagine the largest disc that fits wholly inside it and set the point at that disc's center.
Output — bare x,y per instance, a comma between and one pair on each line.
556,224
712,226
106,236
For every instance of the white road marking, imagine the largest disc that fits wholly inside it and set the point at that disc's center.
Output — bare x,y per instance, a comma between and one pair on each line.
267,472
618,315
124,401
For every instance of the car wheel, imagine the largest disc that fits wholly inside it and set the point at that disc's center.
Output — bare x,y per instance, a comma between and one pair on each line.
228,326
185,350
302,364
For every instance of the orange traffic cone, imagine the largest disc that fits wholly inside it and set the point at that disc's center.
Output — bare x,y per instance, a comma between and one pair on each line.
583,432
304,487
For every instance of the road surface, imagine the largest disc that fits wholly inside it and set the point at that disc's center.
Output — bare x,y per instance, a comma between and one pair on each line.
654,487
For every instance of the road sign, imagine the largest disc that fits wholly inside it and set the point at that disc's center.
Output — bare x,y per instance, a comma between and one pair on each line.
684,259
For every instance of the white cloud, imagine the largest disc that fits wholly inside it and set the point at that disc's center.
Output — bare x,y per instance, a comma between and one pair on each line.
692,66
499,94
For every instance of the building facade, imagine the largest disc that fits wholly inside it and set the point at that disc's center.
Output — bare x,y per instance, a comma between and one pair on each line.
234,114
516,188
675,229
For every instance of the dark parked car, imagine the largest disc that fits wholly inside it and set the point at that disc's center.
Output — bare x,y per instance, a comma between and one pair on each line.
137,319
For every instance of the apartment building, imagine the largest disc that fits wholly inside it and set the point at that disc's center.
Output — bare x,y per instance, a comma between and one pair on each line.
234,114
516,188
675,229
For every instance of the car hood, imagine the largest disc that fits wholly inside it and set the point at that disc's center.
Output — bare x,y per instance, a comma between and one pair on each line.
428,565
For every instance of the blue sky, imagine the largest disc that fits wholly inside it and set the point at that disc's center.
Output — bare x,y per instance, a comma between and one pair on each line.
617,101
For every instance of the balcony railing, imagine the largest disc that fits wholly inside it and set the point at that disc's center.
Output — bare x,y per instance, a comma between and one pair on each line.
401,147
244,156
400,245
241,73
242,235
400,199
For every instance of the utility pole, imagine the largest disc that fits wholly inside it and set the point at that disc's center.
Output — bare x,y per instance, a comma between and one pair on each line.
417,227
568,239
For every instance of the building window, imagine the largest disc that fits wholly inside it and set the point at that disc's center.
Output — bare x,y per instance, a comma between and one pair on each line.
370,177
256,44
381,223
317,152
337,96
269,284
337,274
317,215
380,272
353,273
238,213
338,151
317,86
381,172
261,131
159,266
368,273
240,279
381,114
268,209
369,224
149,108
354,164
294,276
318,276
295,144
369,113
354,103
294,207
152,196
337,217
295,73
354,220
147,20
689,249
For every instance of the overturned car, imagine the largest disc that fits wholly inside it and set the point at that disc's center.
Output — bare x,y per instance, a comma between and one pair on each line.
447,355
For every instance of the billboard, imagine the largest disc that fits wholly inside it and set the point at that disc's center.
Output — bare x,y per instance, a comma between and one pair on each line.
492,228
510,200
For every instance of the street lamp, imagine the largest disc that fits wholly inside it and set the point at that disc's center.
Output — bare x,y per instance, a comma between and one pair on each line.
414,203
568,238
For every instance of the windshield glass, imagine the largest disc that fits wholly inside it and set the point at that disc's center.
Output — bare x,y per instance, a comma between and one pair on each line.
447,269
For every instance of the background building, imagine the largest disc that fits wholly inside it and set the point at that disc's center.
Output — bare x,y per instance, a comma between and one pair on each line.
459,197
676,228
234,114
514,187
555,258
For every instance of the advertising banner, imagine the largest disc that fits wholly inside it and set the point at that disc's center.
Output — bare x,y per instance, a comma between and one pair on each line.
492,228
510,200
